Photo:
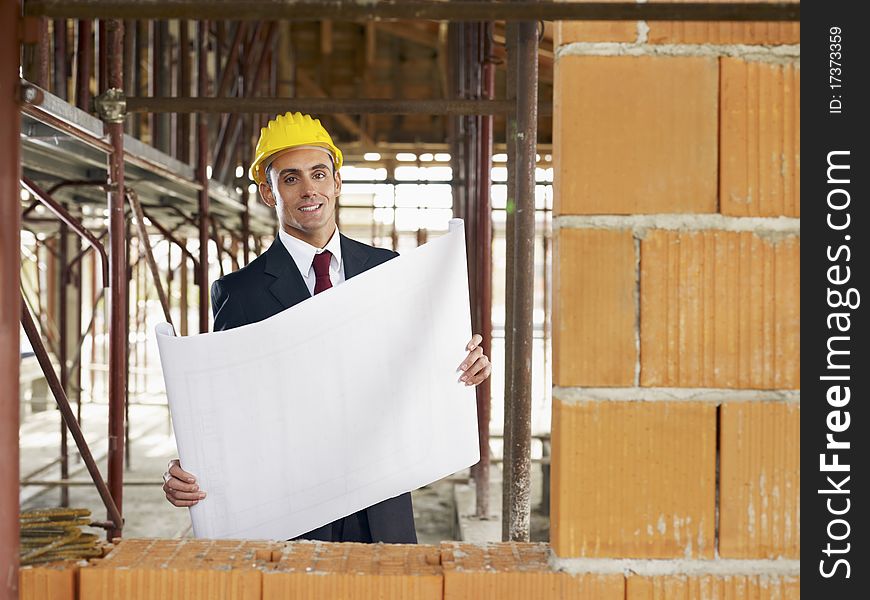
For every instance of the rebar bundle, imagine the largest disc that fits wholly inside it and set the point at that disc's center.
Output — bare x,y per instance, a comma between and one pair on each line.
52,534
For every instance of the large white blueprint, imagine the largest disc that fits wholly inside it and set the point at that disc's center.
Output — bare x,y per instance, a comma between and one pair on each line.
333,405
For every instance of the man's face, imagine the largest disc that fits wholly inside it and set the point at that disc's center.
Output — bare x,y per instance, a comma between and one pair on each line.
303,191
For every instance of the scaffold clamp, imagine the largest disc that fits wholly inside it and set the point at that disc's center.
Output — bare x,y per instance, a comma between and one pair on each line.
111,105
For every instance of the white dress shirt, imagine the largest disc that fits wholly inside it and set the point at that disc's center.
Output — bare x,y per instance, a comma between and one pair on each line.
303,255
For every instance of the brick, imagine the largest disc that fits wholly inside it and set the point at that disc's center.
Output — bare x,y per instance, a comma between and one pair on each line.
633,479
53,581
159,569
386,571
566,32
635,134
760,139
719,309
759,497
594,308
518,571
723,32
712,587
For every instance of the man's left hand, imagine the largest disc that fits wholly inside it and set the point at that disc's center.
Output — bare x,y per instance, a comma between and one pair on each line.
476,366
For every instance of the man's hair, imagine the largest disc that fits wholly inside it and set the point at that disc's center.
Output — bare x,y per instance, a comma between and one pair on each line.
268,171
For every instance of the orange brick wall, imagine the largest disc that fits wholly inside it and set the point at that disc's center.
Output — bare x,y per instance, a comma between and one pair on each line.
760,480
719,309
55,581
160,569
760,139
676,311
757,587
635,134
633,479
596,275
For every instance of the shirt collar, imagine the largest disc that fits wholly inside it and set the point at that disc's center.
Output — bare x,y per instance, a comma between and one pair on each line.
303,253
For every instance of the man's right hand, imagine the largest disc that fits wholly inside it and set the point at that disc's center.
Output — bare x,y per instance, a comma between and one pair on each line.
180,486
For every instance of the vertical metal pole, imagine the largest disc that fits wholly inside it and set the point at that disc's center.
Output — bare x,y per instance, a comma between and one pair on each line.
129,348
170,275
93,288
202,175
77,379
246,199
103,58
10,302
42,54
183,142
182,293
60,64
510,222
63,344
523,263
159,86
117,277
142,79
130,70
484,270
84,63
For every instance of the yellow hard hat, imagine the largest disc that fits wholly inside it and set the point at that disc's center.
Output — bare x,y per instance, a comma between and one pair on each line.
289,131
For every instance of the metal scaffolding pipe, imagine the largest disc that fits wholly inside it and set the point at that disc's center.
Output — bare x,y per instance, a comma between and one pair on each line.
68,417
523,264
142,232
160,83
75,363
63,326
10,269
64,215
182,292
484,273
226,150
81,254
510,221
183,145
229,67
59,81
102,58
118,279
84,64
474,10
168,235
246,74
371,106
202,175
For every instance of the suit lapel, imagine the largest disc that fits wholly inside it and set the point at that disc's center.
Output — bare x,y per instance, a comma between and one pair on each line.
353,257
288,287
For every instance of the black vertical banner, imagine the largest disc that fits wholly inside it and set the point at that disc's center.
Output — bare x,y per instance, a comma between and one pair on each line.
835,268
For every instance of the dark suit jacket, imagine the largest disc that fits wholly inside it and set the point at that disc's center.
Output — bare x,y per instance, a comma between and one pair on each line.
272,283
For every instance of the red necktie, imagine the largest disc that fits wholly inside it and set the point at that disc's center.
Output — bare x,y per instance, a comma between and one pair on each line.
321,271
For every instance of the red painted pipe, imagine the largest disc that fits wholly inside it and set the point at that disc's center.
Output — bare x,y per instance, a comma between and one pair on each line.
10,267
117,278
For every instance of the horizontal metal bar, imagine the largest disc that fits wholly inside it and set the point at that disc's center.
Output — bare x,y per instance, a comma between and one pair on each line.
359,106
85,482
351,10
41,469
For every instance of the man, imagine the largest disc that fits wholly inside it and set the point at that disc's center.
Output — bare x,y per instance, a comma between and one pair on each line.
296,168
